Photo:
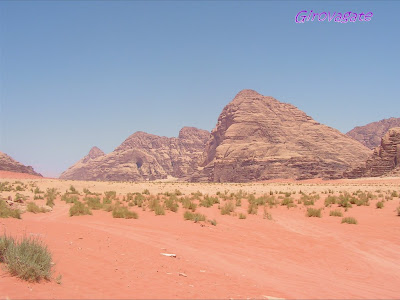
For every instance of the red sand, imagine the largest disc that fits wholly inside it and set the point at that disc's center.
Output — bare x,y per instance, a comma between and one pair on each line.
291,256
15,175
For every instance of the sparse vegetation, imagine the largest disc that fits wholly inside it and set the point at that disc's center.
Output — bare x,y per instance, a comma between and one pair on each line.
7,212
336,213
313,212
32,207
79,209
196,217
379,204
349,220
50,196
227,208
28,259
242,216
93,202
123,212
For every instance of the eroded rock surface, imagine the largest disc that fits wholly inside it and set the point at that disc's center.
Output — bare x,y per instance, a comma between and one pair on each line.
9,164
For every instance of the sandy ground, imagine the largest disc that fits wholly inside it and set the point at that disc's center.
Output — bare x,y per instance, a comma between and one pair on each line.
290,256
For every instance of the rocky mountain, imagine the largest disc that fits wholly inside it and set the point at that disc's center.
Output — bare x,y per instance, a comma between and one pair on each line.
9,164
143,156
371,134
259,138
385,159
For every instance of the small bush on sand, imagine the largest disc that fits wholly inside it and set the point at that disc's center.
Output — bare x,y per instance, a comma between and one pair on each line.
32,207
68,198
313,212
72,190
252,209
146,192
242,216
93,202
123,212
79,209
28,259
379,204
349,220
7,212
171,204
110,195
188,204
336,213
288,201
208,201
330,200
196,217
227,208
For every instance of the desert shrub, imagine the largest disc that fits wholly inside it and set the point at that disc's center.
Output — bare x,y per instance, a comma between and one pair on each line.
213,222
238,202
313,212
130,197
37,197
197,195
28,259
171,204
110,195
309,199
242,216
345,200
252,209
93,202
32,207
398,211
50,196
19,188
266,214
379,204
208,201
287,201
336,213
5,187
19,197
72,190
159,210
188,204
108,207
330,200
139,198
178,192
79,209
227,208
196,217
395,194
123,212
349,220
7,212
146,192
68,198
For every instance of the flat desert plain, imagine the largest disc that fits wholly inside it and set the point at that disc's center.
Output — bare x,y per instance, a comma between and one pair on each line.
270,250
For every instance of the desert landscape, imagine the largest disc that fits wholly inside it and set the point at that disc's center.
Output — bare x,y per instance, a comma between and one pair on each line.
221,240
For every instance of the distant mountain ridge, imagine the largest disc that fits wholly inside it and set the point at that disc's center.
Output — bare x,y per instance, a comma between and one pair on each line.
7,163
370,135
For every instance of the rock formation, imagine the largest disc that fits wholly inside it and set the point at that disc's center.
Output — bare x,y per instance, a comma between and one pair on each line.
371,134
9,164
385,159
259,138
143,156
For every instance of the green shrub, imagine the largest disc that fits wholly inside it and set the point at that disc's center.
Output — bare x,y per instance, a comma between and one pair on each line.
313,212
252,209
336,213
93,202
159,210
330,200
146,192
208,201
38,191
38,197
379,204
188,204
349,220
7,212
68,198
79,209
242,216
196,217
50,196
108,207
227,208
171,204
72,190
395,194
19,197
5,187
123,212
32,207
28,259
345,200
288,201
110,195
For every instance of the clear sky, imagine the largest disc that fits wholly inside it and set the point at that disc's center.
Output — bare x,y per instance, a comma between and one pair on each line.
75,74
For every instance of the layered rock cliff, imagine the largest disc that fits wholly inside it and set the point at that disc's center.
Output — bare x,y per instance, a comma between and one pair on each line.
385,159
9,164
143,156
259,138
371,134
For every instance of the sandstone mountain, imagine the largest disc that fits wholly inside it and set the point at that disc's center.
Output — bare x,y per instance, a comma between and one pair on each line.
385,159
9,164
143,156
259,138
371,134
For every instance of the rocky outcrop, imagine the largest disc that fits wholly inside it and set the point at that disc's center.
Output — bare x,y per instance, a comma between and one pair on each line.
385,160
371,134
9,164
259,138
143,156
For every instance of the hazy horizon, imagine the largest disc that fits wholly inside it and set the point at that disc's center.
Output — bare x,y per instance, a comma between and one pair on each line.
80,74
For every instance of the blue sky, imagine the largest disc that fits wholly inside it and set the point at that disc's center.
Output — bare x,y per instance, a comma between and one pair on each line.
75,74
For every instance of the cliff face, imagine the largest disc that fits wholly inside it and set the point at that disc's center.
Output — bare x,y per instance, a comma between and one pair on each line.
143,156
260,138
385,159
9,164
371,134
